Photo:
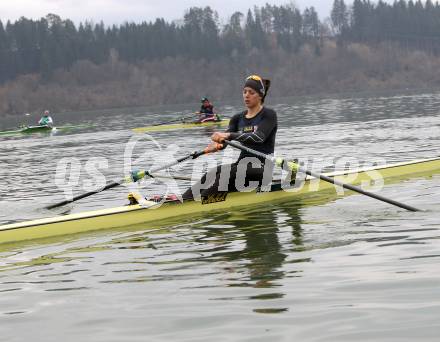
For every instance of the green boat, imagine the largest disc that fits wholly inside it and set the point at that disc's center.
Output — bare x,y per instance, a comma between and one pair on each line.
28,129
40,129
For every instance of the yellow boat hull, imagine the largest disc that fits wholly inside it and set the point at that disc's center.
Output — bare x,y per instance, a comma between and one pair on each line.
151,212
187,125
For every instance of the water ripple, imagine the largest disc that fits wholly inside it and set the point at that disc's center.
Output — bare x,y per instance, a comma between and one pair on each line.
329,269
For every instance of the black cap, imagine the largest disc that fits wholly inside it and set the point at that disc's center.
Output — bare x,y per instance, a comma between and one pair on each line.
260,85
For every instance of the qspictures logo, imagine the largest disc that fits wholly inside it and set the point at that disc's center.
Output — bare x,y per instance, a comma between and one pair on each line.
143,153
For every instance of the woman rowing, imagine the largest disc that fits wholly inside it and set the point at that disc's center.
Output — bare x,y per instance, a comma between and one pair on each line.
46,120
206,112
256,127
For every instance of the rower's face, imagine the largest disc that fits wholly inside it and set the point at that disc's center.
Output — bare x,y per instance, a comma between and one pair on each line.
250,97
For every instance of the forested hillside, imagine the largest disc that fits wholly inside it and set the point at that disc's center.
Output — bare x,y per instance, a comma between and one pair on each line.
54,63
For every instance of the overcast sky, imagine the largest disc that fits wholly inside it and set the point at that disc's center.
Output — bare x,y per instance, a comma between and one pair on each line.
119,11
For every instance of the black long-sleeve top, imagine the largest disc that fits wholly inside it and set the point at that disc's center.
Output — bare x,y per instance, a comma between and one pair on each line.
257,133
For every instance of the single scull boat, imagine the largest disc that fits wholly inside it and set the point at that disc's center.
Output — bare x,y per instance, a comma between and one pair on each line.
151,211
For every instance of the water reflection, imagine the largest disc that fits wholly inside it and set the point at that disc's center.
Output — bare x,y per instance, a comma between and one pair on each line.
255,247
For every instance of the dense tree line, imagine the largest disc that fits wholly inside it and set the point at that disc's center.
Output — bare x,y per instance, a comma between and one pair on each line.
42,46
45,45
365,46
412,24
355,67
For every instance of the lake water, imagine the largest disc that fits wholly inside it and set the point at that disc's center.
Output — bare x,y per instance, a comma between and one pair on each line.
348,269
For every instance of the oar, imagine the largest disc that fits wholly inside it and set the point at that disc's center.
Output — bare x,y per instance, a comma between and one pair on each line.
184,178
134,177
294,166
171,121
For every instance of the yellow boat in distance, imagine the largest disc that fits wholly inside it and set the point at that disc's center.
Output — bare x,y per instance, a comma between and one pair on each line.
312,191
182,125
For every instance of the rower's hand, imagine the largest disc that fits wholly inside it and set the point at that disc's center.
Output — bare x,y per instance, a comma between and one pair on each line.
213,147
220,137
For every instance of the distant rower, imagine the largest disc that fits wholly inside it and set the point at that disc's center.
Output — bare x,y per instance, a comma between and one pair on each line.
46,120
207,111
